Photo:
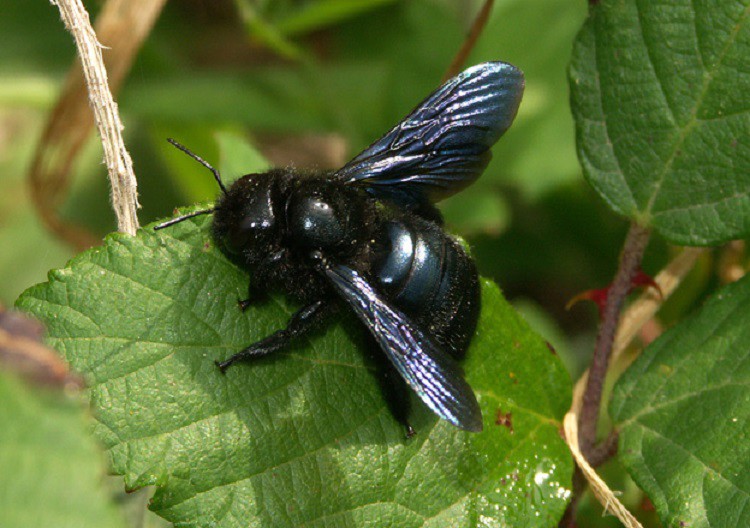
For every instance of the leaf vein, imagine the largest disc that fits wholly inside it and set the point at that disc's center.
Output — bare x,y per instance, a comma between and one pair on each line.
693,120
706,466
652,63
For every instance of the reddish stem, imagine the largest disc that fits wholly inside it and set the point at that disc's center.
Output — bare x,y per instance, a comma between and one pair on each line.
630,262
471,39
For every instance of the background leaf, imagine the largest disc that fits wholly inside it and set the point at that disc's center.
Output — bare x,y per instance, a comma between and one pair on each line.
52,471
537,155
322,13
683,410
238,157
304,437
659,94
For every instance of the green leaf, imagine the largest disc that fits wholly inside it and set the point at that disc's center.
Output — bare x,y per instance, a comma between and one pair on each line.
238,157
266,32
52,471
194,181
683,411
304,437
488,212
322,13
273,23
275,100
50,50
225,148
659,94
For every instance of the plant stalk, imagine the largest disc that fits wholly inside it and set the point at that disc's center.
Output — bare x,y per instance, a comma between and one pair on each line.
630,262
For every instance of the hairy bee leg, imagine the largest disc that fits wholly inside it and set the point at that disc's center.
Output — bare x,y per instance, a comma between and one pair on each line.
256,294
395,390
301,323
398,398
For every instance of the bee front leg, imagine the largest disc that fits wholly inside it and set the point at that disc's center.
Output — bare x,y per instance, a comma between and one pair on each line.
301,324
254,296
256,293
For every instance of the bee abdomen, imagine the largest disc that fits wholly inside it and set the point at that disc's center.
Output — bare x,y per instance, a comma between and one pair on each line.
430,277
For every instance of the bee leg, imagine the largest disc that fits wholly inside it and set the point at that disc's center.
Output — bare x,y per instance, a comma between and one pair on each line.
429,212
256,293
398,397
395,390
254,296
301,323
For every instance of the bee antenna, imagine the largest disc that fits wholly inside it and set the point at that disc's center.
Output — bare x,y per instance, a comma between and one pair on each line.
179,219
200,160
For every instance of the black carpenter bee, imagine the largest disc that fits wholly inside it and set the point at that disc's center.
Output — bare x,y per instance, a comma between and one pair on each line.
370,236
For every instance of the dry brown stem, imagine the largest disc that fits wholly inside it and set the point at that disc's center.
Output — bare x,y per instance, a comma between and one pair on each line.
22,352
122,25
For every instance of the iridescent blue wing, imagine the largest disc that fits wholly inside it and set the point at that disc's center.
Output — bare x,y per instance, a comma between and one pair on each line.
443,145
431,373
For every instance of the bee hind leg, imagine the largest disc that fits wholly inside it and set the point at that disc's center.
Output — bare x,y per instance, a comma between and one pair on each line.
395,391
304,321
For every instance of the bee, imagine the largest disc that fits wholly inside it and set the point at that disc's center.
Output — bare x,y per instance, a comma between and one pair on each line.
368,238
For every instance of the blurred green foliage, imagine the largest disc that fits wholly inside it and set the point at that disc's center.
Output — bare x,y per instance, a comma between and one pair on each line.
51,468
365,65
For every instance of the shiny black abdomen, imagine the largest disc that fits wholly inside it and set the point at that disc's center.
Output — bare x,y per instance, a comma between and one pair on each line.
429,276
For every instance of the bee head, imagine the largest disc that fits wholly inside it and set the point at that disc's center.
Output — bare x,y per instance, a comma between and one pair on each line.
244,223
245,218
